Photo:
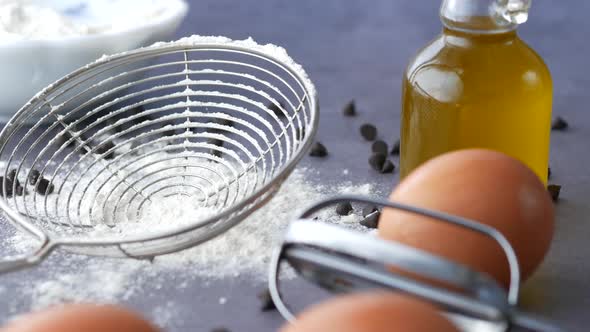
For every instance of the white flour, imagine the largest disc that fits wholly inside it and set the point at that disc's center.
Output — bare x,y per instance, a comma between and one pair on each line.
22,20
271,50
243,250
101,282
25,19
166,314
274,51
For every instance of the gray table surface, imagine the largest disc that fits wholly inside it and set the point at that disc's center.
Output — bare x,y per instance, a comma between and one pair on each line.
358,49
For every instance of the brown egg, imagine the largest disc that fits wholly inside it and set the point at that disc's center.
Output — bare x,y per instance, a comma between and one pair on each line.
371,312
485,186
81,317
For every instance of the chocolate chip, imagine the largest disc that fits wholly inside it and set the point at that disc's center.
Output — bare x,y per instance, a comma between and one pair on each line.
266,303
6,185
343,208
20,190
216,153
220,329
379,147
395,148
276,109
14,184
369,132
44,187
554,191
142,118
225,122
169,133
349,109
300,133
34,176
11,175
318,150
388,167
368,209
221,122
104,147
65,137
372,220
559,124
377,160
215,141
117,128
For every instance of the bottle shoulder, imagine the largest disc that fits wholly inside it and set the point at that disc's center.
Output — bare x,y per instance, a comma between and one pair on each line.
508,57
428,53
535,58
461,71
478,65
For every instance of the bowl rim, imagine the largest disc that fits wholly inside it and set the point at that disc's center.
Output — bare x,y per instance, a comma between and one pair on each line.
176,11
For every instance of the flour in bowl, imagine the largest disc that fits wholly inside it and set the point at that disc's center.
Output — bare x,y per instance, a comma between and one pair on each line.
19,19
25,19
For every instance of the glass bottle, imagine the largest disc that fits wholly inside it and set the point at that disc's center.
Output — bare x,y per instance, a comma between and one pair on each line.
477,85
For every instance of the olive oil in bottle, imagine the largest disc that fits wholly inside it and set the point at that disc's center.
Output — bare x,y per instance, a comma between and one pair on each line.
477,85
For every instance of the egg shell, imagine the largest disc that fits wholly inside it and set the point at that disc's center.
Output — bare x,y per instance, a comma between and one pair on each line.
371,312
81,317
485,186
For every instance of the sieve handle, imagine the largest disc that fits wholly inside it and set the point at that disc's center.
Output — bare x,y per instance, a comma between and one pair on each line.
15,263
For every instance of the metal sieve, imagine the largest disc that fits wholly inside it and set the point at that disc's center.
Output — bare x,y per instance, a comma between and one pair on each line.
218,123
342,260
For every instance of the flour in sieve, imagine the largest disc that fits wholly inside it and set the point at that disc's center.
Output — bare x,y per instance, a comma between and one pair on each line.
160,216
247,247
273,51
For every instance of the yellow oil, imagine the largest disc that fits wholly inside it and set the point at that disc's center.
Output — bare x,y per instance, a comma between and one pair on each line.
467,90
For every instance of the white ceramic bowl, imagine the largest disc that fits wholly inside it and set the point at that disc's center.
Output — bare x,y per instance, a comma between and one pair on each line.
29,65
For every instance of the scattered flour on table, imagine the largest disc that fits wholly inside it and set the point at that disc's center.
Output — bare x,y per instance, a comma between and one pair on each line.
99,282
243,250
165,314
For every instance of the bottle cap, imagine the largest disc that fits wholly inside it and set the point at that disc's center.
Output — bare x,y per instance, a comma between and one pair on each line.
511,11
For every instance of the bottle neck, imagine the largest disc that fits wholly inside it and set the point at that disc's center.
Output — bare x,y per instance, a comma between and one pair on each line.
484,16
461,39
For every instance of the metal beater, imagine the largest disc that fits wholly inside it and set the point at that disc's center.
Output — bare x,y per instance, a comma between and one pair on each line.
342,260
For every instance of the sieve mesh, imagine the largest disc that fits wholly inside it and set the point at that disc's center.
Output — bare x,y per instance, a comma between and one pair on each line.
221,124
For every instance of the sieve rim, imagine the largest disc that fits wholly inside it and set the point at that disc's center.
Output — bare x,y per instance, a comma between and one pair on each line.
310,96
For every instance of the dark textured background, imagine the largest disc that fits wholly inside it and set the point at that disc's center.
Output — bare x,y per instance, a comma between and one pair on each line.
358,49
